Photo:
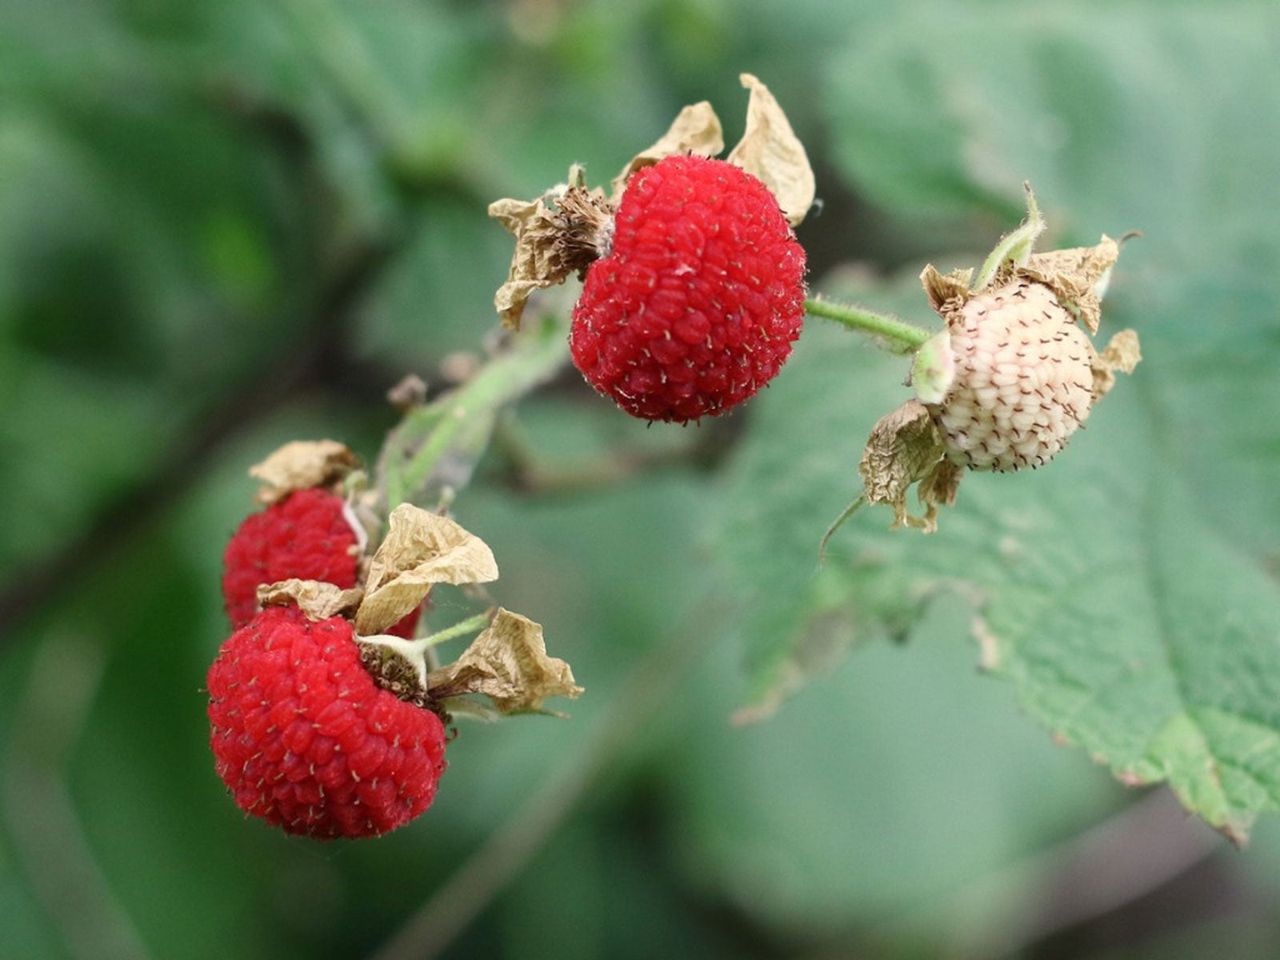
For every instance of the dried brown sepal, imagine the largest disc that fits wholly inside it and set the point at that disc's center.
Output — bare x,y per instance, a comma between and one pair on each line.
557,234
1077,276
507,663
300,465
947,292
421,549
695,131
530,222
318,600
904,448
770,150
1122,353
938,488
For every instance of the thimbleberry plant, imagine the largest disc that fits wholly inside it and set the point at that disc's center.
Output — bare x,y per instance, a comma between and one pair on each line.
331,704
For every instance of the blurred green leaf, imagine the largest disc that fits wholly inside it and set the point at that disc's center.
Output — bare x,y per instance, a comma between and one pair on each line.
79,438
182,190
438,296
1129,624
888,787
1135,115
1107,586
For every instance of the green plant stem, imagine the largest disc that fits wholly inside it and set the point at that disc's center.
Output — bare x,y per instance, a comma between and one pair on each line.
898,335
459,423
469,625
836,524
1014,248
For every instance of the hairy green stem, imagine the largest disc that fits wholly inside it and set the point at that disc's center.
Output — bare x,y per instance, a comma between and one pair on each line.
434,440
1014,248
898,335
469,625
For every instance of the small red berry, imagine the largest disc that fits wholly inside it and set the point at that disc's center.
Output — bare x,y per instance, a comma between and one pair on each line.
696,304
304,738
306,536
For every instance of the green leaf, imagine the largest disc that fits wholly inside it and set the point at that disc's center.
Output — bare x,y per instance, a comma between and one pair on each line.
1128,591
1088,102
1100,586
883,793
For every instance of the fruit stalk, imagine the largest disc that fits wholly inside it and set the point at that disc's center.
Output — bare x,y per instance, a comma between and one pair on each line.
459,629
897,335
415,653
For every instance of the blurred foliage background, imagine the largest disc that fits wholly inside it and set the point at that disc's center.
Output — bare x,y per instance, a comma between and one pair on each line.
226,225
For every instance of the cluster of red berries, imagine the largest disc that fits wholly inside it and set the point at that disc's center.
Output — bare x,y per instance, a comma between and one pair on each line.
301,733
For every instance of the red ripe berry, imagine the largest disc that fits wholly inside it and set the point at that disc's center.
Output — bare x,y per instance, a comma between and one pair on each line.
698,301
306,535
304,738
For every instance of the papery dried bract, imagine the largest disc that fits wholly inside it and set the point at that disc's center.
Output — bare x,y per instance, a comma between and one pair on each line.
1122,353
317,599
551,232
770,150
508,663
905,447
421,549
946,291
302,464
938,489
696,130
1078,276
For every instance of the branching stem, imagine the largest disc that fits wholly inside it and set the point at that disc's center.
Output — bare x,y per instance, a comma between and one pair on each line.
463,418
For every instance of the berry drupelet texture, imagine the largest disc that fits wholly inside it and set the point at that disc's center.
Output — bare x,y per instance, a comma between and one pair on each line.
304,738
307,536
696,304
1023,381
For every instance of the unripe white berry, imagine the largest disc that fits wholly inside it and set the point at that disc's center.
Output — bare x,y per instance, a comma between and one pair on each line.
1006,382
1023,379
